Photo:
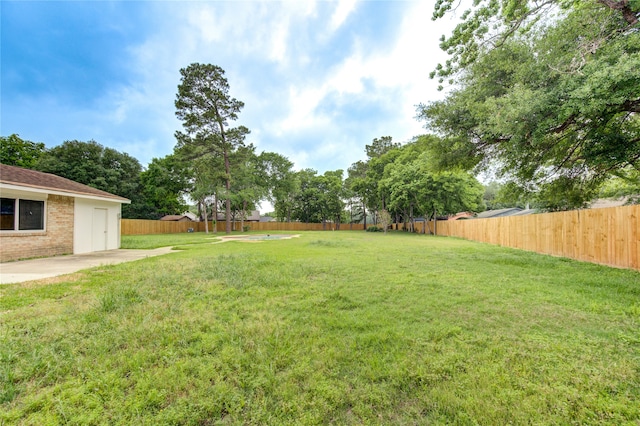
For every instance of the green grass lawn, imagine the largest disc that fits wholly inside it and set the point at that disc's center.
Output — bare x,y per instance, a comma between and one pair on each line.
329,328
164,240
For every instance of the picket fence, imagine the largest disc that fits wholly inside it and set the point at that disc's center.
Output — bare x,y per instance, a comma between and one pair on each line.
608,236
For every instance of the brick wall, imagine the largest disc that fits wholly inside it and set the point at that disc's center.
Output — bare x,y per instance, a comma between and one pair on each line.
57,239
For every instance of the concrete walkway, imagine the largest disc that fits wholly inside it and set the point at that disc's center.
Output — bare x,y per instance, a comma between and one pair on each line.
36,269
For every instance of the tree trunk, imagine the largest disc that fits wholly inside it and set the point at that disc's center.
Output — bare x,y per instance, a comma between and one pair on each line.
435,222
214,222
227,171
244,212
622,5
351,214
227,208
364,214
412,223
206,217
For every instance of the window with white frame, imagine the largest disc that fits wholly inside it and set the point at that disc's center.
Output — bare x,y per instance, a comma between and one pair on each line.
21,215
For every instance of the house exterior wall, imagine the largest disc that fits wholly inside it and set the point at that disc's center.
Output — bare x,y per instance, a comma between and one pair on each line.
84,226
56,239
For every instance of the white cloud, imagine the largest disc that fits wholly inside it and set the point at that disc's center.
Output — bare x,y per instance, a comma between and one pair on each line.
341,13
203,18
307,86
302,111
403,70
248,28
348,76
397,79
276,26
278,42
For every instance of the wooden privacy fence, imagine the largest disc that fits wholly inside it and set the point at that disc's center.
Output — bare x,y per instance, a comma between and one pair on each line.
141,226
609,236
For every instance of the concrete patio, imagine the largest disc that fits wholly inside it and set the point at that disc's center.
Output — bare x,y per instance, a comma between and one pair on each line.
35,269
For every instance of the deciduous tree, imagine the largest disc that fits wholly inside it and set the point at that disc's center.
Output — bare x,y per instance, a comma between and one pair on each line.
551,103
307,206
248,186
413,187
103,168
15,151
331,188
163,184
359,187
280,181
380,153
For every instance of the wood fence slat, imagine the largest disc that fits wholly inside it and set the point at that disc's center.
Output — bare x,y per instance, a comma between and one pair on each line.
634,237
609,236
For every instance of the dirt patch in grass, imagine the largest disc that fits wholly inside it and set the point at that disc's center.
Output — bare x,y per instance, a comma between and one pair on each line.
70,278
257,238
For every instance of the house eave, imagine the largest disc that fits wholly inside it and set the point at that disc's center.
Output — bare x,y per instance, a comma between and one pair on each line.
39,190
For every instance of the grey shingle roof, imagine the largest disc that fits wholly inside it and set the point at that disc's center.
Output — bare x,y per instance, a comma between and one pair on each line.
498,213
175,217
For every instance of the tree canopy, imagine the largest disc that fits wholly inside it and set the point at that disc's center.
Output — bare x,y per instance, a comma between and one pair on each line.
15,151
162,185
316,198
413,187
103,168
550,102
488,24
280,182
401,180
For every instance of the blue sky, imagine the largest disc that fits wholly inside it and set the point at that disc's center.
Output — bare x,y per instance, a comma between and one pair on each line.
319,79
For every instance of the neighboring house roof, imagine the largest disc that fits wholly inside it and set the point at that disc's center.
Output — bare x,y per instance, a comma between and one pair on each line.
421,219
190,215
267,219
461,215
499,213
254,216
176,218
608,202
525,212
12,177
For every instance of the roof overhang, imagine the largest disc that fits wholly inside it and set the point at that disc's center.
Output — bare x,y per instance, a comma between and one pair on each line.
36,190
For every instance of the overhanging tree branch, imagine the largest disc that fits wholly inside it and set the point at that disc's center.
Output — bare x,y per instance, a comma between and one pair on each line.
623,6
